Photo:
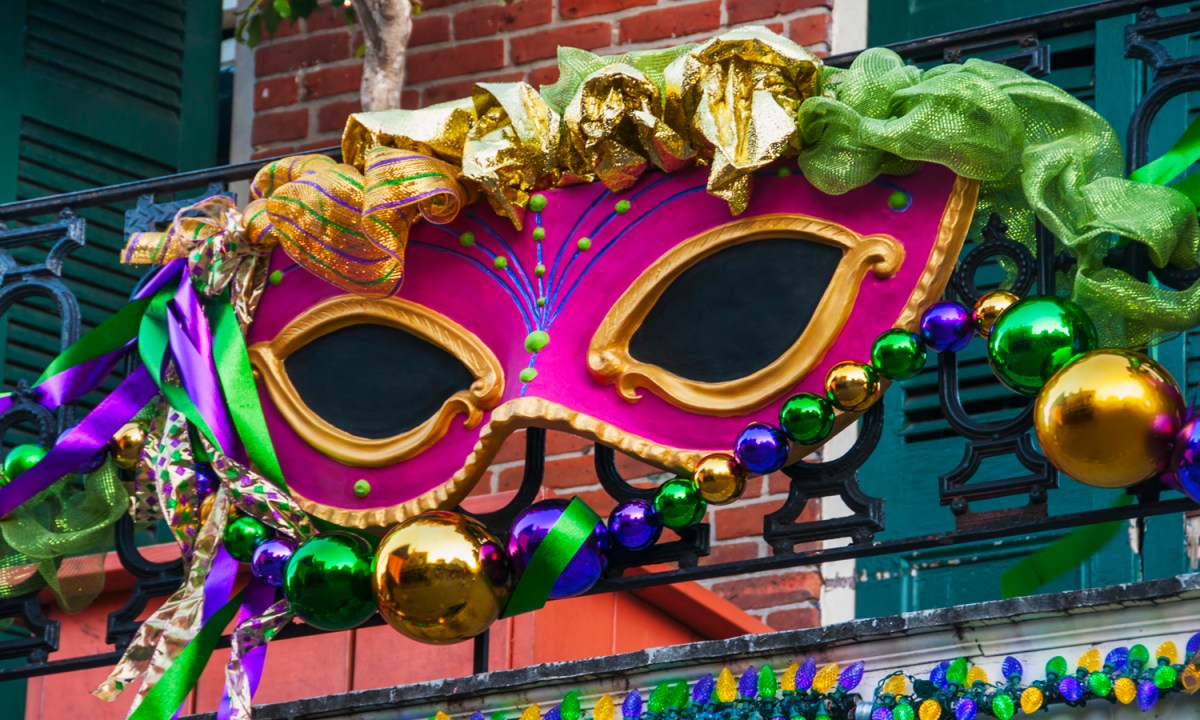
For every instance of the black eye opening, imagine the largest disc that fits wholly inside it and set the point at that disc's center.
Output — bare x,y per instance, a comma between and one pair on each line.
736,311
374,381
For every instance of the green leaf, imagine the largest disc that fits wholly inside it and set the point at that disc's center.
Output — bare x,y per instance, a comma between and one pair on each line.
271,20
254,36
361,51
284,8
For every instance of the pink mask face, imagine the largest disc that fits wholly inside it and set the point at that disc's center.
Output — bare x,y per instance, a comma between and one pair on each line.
649,320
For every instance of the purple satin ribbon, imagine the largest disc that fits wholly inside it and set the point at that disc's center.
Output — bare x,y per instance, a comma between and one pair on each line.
79,444
259,598
191,346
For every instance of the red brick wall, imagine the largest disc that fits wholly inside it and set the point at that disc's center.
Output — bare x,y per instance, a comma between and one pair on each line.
307,76
308,82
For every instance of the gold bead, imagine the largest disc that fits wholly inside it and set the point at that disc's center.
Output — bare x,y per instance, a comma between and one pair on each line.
1031,700
1109,418
1125,690
127,445
988,309
852,386
930,710
720,479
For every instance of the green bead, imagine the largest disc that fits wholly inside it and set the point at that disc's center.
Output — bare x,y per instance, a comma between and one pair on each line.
541,302
806,418
539,234
768,684
658,700
275,277
539,270
570,709
21,458
500,262
898,354
362,488
898,200
1056,666
1034,338
536,340
1165,677
242,535
621,207
1003,706
537,203
1100,684
903,711
527,375
783,172
1139,654
467,239
957,672
583,244
328,581
679,504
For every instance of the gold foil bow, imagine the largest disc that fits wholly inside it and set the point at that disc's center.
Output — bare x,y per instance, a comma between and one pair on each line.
737,96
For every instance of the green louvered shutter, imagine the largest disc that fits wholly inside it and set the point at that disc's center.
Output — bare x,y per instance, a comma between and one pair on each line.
93,93
918,445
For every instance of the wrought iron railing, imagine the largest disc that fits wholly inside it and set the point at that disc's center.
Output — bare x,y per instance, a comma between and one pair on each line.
1025,43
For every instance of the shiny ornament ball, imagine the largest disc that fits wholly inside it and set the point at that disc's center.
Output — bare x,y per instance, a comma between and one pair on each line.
127,445
532,526
1109,418
328,581
761,449
852,386
1035,338
1185,460
270,560
947,326
720,479
807,418
898,354
988,309
440,578
634,525
21,458
242,535
679,503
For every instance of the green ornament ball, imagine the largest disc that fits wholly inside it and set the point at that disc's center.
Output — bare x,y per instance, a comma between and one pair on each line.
898,354
21,458
679,503
242,535
1034,338
806,418
328,581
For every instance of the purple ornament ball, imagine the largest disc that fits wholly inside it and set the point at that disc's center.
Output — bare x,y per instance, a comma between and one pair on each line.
270,559
761,449
947,326
634,525
533,525
1185,461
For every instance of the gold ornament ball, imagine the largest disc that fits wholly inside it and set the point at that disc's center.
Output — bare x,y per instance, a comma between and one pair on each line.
852,386
720,479
440,577
1109,418
988,309
126,446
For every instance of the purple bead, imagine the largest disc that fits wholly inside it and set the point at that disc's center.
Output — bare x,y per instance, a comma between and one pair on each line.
533,525
761,449
748,683
805,674
634,525
881,713
703,690
270,559
852,675
947,326
965,709
632,706
206,481
1070,689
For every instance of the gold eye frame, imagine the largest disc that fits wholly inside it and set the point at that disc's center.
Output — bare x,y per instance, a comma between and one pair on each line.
608,354
333,314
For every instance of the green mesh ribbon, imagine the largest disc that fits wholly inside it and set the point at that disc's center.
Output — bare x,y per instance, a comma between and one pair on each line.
575,65
58,539
1037,151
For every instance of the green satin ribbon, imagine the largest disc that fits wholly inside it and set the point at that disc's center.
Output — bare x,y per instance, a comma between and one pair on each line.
109,336
173,687
1060,557
551,558
241,394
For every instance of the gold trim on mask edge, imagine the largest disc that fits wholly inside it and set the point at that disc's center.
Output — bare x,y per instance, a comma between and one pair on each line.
345,311
608,354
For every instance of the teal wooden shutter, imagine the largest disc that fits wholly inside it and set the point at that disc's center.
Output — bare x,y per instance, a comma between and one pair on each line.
918,445
98,93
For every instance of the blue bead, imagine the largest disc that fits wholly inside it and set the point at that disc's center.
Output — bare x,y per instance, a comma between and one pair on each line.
937,676
702,692
761,449
947,326
634,525
632,707
805,675
852,675
1147,695
1118,657
748,683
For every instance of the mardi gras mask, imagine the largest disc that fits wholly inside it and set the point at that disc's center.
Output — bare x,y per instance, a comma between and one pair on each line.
650,320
